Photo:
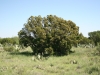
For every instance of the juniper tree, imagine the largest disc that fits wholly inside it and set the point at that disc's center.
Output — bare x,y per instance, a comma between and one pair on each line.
51,34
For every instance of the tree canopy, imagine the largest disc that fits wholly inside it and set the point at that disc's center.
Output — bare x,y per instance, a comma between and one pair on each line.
50,34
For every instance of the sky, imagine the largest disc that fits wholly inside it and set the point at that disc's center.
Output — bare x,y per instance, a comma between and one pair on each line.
14,13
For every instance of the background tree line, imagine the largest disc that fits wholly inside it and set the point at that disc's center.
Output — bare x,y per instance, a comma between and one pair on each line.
10,40
10,44
93,38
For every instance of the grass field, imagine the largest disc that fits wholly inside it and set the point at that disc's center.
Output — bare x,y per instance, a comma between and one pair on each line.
82,62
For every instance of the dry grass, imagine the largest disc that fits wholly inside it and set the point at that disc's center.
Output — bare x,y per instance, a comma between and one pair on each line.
21,63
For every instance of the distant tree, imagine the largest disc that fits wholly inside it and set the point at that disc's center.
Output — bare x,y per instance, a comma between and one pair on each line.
51,34
95,36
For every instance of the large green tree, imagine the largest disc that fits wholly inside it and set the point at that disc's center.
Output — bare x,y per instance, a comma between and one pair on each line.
51,34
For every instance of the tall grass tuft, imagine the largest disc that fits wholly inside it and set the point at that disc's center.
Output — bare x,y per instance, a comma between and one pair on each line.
9,49
98,50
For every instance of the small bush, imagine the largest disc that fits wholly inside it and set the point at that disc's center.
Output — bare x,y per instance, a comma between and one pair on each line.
9,49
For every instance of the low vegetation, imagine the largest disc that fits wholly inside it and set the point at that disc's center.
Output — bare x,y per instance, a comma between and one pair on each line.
82,62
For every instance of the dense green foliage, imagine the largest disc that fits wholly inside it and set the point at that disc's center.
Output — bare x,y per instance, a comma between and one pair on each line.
95,36
51,34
